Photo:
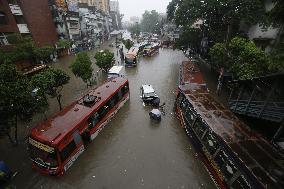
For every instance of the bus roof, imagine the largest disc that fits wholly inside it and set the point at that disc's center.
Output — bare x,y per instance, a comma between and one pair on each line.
115,69
257,154
62,123
133,51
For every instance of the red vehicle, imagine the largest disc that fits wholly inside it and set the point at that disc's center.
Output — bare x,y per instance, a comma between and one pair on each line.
56,143
234,155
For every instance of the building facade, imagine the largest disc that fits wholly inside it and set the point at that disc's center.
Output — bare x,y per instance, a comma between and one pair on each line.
28,18
115,15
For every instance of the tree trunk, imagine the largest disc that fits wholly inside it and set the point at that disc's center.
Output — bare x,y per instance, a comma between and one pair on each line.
16,131
228,34
58,97
10,138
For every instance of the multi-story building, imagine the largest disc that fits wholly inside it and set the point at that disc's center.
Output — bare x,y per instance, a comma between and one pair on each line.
27,17
264,38
102,5
115,14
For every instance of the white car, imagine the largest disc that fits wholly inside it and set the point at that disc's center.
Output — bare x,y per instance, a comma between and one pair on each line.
149,95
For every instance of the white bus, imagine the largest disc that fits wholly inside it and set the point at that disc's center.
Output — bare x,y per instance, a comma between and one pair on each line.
116,71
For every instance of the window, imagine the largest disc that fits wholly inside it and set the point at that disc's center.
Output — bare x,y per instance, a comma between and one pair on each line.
67,151
229,169
180,99
199,128
119,95
3,20
189,116
211,143
184,104
103,111
221,158
13,2
20,20
226,165
240,183
125,89
3,39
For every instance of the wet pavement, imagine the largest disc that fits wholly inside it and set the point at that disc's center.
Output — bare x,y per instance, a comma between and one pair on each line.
132,152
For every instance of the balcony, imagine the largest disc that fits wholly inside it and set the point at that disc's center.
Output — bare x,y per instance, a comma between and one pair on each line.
23,28
16,10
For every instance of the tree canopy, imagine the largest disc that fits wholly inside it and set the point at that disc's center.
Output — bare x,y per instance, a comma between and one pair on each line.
82,67
16,99
127,43
220,18
151,22
25,49
104,59
242,58
50,82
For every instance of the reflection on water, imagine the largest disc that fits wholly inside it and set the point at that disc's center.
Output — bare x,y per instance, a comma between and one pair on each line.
132,151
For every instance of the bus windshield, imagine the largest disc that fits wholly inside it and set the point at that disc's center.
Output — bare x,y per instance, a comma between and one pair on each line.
42,154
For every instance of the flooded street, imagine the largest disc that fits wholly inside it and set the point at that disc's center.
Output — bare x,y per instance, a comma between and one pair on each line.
133,152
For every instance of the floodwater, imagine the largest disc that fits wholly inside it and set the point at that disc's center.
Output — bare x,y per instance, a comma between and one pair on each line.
133,152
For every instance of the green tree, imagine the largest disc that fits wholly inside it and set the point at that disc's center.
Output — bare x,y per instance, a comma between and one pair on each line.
127,43
50,82
16,100
63,43
189,38
221,18
43,53
25,49
134,29
82,67
241,57
104,59
150,22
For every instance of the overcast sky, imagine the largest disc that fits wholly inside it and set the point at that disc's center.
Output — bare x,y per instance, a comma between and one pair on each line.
137,7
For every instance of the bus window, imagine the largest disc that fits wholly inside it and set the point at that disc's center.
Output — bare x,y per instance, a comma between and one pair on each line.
240,183
229,169
180,99
111,102
125,89
221,158
120,94
67,151
199,128
47,158
189,116
211,143
184,104
103,111
93,120
226,165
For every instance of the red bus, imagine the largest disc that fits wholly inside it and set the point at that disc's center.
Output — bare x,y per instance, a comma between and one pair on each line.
234,155
56,143
131,57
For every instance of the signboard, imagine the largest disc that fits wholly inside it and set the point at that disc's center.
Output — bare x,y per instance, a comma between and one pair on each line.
41,146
